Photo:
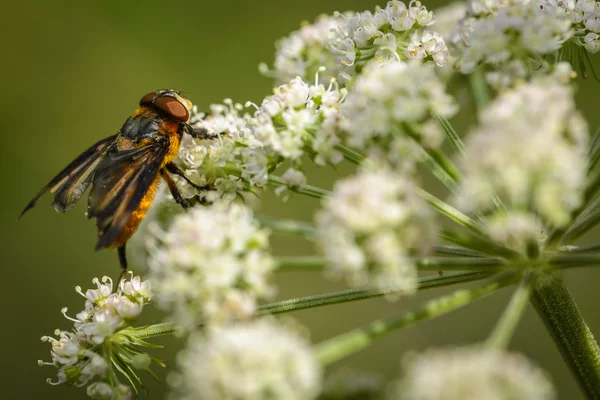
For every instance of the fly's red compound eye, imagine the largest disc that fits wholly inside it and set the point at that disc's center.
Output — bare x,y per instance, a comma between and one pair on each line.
173,107
147,99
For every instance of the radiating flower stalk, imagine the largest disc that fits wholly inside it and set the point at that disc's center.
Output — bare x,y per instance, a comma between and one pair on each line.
368,89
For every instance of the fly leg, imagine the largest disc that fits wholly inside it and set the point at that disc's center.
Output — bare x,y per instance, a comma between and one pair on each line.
174,190
196,133
123,263
172,168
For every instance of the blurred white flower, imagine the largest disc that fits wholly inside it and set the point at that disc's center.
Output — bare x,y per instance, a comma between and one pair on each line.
247,361
210,265
370,228
470,373
386,96
530,151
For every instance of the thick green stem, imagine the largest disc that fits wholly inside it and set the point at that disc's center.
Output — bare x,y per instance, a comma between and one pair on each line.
505,327
557,308
341,346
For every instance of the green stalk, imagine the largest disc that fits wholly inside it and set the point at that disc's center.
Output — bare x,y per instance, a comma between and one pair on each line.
478,243
350,155
479,88
282,225
341,346
574,260
489,264
308,190
345,296
558,310
505,327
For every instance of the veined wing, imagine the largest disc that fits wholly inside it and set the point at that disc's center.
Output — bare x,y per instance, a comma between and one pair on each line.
121,180
70,183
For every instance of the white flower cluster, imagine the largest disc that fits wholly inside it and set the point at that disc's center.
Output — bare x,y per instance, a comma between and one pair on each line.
395,32
210,265
372,226
585,16
247,361
511,39
81,355
299,117
388,98
304,51
529,152
447,18
472,373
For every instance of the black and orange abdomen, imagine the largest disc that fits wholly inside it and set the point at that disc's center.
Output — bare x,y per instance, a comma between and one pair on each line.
169,129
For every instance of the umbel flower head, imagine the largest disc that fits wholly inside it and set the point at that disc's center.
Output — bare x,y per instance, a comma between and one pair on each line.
247,147
388,102
210,265
396,32
303,52
370,228
471,373
513,39
247,361
103,342
529,151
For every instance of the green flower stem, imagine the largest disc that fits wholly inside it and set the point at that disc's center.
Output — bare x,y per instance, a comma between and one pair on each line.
488,264
557,309
345,296
574,260
447,210
479,88
582,249
350,155
504,329
319,300
456,251
311,191
438,162
451,134
581,226
145,332
281,225
585,217
341,346
478,243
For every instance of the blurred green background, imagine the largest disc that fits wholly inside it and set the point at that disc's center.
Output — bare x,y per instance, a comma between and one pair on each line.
72,72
